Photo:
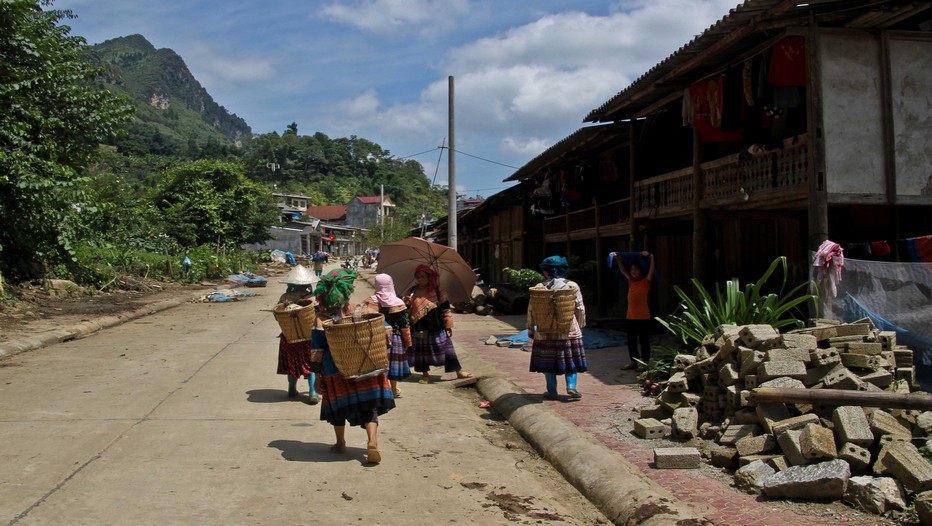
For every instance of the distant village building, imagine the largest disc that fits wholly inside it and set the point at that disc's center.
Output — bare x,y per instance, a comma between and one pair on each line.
306,229
368,212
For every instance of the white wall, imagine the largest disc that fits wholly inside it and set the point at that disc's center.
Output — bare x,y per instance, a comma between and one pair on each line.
911,86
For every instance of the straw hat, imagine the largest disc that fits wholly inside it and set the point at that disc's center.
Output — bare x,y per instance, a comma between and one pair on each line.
299,275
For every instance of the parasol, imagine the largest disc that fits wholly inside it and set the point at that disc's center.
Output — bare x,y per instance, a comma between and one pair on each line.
400,258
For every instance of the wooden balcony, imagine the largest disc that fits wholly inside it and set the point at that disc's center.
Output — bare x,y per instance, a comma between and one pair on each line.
777,178
609,219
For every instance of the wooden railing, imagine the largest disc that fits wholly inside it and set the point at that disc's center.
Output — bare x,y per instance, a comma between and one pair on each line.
612,213
670,192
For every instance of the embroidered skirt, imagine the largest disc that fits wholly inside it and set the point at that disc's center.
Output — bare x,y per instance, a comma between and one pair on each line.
398,367
354,401
294,359
433,349
558,356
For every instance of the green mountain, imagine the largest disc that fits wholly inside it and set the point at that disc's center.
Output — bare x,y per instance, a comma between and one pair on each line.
175,114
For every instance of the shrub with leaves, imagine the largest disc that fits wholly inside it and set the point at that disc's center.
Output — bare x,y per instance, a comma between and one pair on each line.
732,305
523,279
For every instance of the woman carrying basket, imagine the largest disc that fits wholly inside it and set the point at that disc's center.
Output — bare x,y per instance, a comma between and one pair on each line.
556,352
360,401
294,359
431,326
387,303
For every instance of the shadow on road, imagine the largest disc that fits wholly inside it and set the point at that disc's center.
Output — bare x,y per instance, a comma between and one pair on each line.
296,451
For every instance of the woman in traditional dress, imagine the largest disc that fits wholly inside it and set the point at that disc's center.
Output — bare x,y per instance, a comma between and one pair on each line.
359,401
431,326
294,359
393,308
558,353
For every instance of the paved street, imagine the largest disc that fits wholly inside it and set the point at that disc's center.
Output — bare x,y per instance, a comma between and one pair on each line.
179,418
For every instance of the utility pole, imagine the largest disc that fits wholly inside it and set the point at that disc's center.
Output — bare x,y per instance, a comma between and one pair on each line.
382,212
451,217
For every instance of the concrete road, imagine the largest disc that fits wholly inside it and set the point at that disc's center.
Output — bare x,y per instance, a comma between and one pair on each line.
179,418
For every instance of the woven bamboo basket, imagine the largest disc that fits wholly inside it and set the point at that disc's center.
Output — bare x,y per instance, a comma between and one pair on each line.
296,324
358,346
553,309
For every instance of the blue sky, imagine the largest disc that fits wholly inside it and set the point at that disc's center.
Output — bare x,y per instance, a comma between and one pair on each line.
526,72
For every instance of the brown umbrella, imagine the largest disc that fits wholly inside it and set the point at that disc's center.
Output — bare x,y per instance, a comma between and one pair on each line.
400,258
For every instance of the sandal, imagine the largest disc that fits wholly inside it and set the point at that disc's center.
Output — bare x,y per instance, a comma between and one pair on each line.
424,380
397,393
373,456
463,374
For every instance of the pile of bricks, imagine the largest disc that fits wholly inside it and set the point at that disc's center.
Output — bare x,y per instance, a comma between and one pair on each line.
863,455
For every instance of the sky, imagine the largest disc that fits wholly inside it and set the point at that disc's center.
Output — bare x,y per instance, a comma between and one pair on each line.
526,72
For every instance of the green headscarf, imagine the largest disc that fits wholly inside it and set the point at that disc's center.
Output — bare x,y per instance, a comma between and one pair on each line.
334,289
556,265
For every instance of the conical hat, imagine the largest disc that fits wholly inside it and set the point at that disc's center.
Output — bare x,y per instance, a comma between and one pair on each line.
299,275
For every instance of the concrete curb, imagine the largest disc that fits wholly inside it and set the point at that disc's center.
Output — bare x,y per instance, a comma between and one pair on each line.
619,489
87,328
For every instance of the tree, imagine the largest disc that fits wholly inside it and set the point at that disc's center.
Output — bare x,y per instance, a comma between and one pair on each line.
51,121
213,202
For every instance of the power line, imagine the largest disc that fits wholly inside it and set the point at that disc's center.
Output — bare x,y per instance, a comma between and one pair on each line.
421,153
486,160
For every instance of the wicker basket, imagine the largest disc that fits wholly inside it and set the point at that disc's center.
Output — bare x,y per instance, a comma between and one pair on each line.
296,324
553,309
358,347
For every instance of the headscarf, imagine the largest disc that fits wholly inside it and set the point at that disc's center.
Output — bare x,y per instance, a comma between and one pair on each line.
433,277
334,289
557,266
385,292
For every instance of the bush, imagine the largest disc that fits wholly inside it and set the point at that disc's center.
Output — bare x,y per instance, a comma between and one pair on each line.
523,279
693,321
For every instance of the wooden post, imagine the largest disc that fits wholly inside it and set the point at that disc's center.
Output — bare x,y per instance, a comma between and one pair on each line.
699,216
633,236
839,397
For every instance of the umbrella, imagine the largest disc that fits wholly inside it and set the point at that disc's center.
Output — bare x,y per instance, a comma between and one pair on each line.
400,258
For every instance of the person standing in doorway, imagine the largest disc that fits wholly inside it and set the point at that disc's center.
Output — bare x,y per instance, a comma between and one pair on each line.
638,316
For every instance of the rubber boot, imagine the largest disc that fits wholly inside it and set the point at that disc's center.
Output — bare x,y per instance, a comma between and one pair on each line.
571,386
551,379
313,398
292,386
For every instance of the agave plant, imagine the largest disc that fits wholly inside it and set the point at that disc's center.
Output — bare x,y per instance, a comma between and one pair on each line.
694,320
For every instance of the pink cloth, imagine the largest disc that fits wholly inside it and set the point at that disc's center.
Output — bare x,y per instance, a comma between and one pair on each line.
385,292
829,260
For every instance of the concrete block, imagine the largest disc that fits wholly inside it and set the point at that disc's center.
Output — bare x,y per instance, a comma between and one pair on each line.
858,457
692,371
807,342
907,374
861,361
822,357
748,478
682,361
879,467
784,382
723,456
880,378
652,409
706,366
735,432
677,458
670,401
816,375
887,339
888,356
768,414
650,428
924,422
690,399
760,337
903,357
909,467
711,392
765,457
756,445
728,374
793,354
822,481
883,423
923,505
851,426
744,399
750,381
779,463
854,329
685,422
841,378
794,423
770,370
678,383
748,416
876,495
817,443
732,395
789,444
866,348
750,362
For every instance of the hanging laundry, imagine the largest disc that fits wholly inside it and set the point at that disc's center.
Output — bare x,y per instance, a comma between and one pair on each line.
919,248
788,63
880,248
829,261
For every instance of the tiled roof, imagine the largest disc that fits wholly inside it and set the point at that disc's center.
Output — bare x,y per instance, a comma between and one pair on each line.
327,212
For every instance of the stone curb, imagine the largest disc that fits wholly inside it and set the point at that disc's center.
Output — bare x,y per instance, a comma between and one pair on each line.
619,489
87,328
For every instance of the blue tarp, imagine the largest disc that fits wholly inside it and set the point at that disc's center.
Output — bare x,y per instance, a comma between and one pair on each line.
592,338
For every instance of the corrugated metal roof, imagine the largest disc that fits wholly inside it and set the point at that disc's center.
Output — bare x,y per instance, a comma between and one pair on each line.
582,140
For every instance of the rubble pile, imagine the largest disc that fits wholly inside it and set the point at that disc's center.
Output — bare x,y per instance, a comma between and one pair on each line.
831,449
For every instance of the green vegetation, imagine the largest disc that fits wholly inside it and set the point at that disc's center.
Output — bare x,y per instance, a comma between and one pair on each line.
115,162
523,279
694,320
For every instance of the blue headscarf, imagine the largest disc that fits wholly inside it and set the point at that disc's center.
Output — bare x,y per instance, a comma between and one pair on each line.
557,266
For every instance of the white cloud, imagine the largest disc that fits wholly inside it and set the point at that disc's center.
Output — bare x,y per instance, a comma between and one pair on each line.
214,67
399,17
524,146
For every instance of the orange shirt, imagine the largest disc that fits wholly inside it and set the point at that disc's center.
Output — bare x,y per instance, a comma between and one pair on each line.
638,307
